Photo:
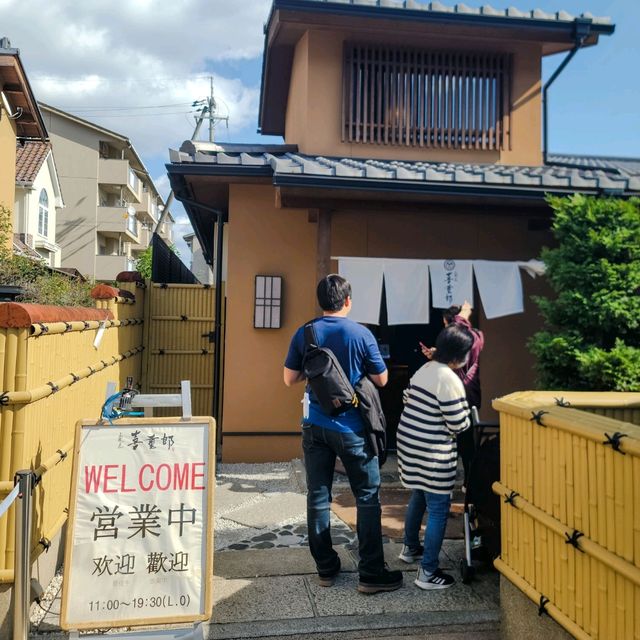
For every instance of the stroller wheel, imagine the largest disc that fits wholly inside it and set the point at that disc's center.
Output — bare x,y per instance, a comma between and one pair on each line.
466,572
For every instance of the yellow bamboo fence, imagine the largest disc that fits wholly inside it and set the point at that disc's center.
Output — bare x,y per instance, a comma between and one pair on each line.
570,525
53,372
179,334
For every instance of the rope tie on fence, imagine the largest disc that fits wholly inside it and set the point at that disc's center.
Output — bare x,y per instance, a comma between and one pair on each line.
511,497
542,606
573,539
160,352
43,327
86,325
45,542
207,286
67,326
104,364
75,378
54,387
91,370
63,455
205,352
614,441
4,399
561,402
184,318
536,416
164,285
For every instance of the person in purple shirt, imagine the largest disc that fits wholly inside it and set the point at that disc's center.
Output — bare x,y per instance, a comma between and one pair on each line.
325,437
469,374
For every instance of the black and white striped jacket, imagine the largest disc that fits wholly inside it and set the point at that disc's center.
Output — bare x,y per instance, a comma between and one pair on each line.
436,411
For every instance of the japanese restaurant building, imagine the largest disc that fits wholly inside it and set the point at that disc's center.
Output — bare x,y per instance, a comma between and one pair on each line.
413,162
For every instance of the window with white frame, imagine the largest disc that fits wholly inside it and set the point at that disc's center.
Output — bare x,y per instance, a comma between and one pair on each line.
43,213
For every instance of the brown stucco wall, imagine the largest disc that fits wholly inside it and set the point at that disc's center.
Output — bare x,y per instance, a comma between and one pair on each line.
7,166
266,240
436,233
313,119
271,241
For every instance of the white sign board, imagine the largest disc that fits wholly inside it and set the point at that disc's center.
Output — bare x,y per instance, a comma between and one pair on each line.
140,542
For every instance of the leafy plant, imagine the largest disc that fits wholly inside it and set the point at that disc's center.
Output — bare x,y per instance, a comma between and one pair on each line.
591,338
39,283
144,263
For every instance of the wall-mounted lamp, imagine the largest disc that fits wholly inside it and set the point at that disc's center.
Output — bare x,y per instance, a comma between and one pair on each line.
268,302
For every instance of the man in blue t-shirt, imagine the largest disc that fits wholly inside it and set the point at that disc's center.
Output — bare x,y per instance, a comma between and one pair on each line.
325,437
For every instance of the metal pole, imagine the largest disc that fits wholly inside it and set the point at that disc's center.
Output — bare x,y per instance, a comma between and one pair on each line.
22,566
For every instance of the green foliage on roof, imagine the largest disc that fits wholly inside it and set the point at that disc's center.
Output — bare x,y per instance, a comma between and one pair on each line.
591,337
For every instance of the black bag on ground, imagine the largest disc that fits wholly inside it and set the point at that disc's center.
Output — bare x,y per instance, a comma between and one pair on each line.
325,375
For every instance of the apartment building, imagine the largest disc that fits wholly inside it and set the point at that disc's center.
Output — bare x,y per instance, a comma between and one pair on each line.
111,203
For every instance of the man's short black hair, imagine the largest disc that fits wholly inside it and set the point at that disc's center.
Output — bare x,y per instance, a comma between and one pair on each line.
333,291
453,344
449,314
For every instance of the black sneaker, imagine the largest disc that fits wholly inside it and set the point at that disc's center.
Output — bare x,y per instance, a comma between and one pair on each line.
437,580
411,554
328,578
385,581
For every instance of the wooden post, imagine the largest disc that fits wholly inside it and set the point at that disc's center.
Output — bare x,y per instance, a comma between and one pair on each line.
323,246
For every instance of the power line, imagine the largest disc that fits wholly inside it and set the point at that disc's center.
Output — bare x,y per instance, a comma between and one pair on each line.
139,115
153,106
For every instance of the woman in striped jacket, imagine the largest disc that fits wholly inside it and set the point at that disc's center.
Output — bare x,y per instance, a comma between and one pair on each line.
435,412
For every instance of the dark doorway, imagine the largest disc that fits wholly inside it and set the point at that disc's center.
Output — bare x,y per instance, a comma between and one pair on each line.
401,343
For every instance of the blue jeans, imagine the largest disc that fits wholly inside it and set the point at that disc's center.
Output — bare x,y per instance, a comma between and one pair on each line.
438,505
321,446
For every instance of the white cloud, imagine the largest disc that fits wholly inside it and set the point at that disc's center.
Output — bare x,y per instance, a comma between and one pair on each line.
90,55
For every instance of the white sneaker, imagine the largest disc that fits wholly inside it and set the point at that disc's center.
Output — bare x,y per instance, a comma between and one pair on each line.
437,580
411,554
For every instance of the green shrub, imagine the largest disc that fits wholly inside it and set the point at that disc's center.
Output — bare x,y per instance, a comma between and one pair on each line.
40,284
591,338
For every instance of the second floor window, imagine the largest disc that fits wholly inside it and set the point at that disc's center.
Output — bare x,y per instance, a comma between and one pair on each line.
43,213
422,98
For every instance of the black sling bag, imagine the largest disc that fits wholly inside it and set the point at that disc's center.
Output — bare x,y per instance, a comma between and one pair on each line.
325,376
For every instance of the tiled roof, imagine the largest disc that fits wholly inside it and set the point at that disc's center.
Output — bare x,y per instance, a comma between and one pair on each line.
463,9
564,173
29,159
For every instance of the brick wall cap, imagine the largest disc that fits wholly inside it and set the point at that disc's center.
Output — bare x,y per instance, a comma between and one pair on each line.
129,276
16,315
107,292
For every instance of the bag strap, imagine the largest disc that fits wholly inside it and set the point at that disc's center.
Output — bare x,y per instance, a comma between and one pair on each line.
310,337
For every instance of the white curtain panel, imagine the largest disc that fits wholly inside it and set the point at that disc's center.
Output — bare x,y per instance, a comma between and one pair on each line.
365,276
500,287
407,289
451,282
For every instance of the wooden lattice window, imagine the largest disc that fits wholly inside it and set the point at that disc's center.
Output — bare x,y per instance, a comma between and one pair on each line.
420,98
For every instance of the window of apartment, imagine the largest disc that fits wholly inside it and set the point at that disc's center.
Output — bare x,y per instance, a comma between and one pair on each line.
133,180
43,213
132,224
422,98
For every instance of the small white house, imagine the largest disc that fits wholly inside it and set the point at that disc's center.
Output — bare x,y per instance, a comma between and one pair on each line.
38,197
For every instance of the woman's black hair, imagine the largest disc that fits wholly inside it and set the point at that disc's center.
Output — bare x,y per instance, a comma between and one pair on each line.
333,291
453,344
449,314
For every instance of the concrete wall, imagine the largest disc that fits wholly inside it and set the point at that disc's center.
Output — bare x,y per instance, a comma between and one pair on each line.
7,165
267,240
313,119
76,152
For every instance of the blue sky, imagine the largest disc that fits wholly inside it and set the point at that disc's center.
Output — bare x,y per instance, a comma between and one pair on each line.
131,53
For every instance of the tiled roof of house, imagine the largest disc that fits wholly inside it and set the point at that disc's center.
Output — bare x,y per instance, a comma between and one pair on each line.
30,156
561,174
463,9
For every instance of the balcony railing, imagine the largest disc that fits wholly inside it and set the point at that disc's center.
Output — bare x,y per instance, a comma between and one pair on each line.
118,172
116,220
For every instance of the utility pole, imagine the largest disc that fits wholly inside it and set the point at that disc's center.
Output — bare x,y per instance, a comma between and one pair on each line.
208,111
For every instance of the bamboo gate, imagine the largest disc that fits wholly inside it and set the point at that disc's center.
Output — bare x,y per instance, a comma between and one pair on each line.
570,516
